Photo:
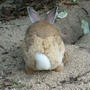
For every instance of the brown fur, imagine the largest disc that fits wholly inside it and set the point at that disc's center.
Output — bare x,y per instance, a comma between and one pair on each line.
59,68
65,58
42,29
28,70
42,37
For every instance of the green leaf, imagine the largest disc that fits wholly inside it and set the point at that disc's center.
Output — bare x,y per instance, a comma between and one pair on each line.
61,14
85,26
18,84
74,1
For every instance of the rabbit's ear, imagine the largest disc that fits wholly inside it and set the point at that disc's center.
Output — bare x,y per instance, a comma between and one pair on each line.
51,16
34,17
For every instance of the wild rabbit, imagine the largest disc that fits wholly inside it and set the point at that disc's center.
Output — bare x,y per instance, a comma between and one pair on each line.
43,48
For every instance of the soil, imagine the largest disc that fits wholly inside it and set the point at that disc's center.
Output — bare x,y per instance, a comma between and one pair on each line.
76,73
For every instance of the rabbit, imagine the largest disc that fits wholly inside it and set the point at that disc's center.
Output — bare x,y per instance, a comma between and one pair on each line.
42,47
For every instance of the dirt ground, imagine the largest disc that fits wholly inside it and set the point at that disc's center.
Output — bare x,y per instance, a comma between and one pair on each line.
76,74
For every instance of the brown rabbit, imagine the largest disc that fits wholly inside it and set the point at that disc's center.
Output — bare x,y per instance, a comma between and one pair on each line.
43,47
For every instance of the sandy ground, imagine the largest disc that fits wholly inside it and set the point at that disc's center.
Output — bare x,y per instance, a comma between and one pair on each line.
76,74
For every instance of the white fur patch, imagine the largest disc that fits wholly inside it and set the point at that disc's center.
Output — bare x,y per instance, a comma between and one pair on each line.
42,62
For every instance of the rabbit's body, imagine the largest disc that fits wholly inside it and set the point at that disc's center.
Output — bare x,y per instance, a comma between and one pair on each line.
43,47
42,37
